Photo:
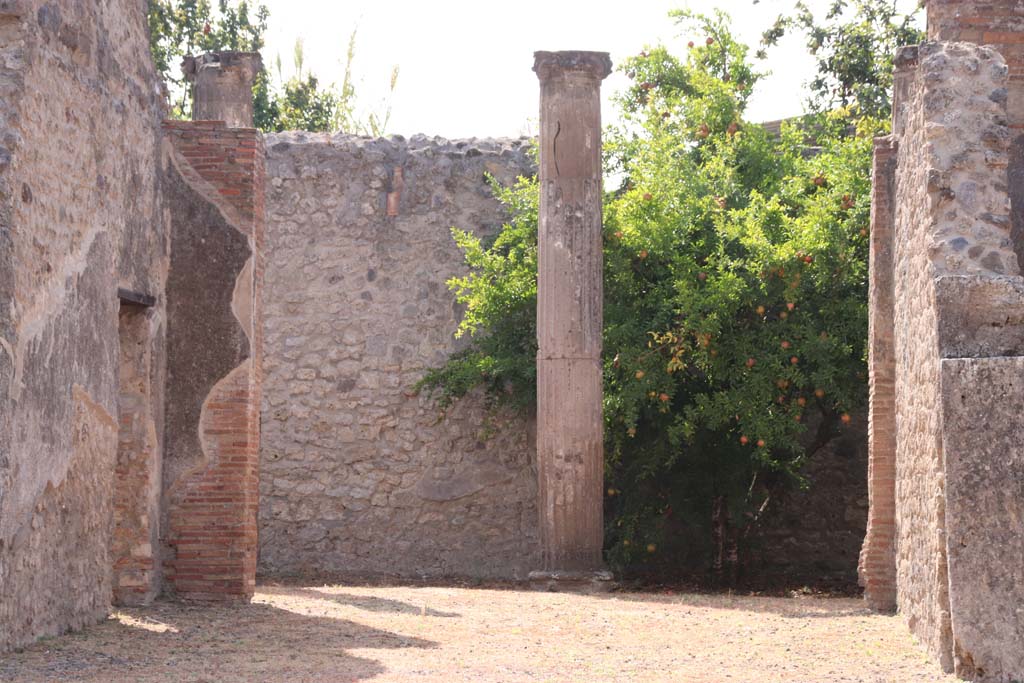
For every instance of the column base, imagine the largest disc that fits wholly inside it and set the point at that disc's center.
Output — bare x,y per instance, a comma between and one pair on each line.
557,581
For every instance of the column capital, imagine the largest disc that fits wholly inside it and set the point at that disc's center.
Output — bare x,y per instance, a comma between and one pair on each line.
247,64
222,86
552,64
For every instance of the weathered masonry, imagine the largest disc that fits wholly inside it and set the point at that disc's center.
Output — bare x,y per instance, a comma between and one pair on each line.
945,541
152,272
359,473
129,328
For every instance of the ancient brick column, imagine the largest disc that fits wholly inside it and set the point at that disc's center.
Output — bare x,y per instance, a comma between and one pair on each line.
877,566
214,186
214,183
222,86
570,441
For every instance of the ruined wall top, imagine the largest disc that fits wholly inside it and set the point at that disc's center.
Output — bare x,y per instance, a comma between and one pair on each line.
999,23
966,142
976,21
222,86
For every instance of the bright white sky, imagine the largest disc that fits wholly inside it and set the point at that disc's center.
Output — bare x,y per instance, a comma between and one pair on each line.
466,65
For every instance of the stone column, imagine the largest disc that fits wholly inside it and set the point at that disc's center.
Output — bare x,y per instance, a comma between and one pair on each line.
222,86
570,438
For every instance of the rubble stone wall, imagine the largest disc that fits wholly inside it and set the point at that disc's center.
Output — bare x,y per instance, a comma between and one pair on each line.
135,540
80,216
920,494
359,473
980,302
814,536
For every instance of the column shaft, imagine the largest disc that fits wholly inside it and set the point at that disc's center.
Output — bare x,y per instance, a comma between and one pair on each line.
570,440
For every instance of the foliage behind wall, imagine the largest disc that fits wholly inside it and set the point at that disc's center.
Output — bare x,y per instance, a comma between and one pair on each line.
736,269
179,28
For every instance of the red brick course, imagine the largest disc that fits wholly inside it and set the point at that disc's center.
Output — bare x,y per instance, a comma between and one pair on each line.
213,514
878,558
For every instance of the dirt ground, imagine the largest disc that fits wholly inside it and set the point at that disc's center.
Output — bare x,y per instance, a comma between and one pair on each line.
339,634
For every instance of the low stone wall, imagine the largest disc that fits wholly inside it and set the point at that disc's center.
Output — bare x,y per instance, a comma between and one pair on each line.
360,474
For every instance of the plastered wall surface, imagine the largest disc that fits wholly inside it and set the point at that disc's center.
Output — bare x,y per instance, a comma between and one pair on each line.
360,474
214,184
80,215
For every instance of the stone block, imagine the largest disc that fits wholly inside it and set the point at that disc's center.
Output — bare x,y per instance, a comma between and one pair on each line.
980,315
983,447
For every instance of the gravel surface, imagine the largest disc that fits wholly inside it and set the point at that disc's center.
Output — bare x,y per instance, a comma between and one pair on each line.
442,634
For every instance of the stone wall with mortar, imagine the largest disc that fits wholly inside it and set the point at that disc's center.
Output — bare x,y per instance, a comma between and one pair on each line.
358,473
999,23
979,297
958,316
136,498
920,482
80,216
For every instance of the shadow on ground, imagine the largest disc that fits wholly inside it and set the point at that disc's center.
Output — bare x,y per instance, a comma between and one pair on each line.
791,607
344,633
795,600
172,641
367,603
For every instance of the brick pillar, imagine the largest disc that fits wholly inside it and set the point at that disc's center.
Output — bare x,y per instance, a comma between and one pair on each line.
877,566
216,195
570,428
222,86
